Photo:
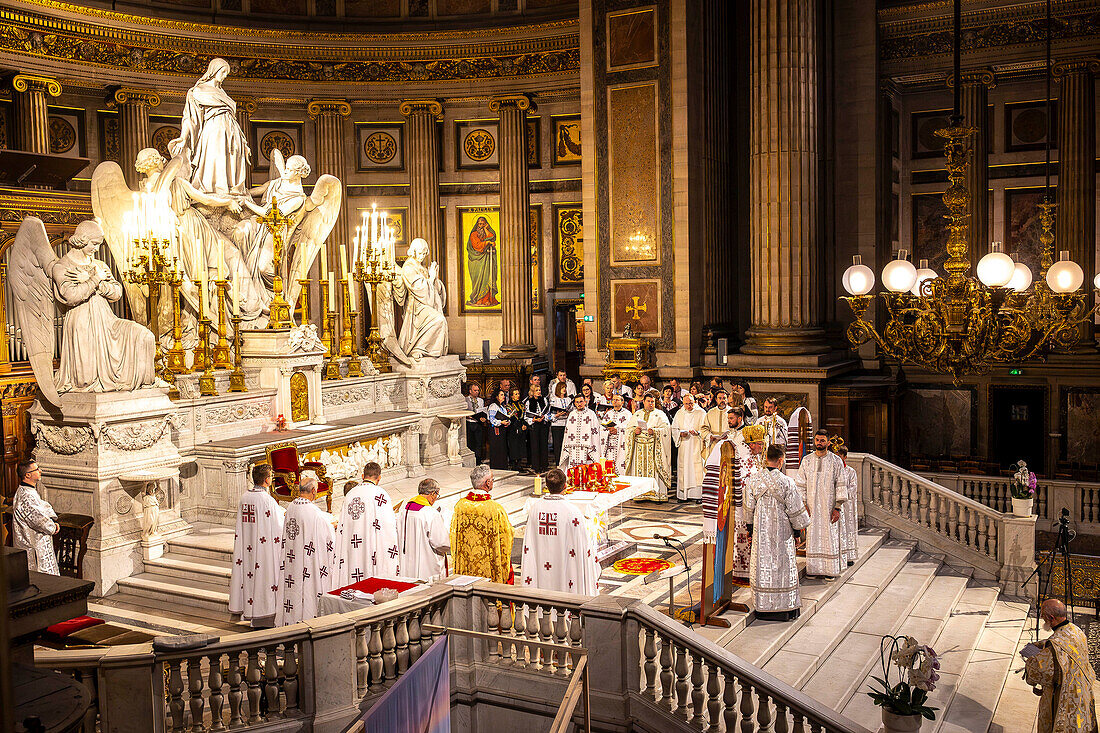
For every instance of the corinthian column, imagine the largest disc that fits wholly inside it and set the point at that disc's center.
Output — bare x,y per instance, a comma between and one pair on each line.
328,116
515,207
1075,226
32,124
133,117
246,107
974,106
786,277
422,161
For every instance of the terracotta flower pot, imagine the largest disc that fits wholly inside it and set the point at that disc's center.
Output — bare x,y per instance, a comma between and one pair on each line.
894,723
1021,507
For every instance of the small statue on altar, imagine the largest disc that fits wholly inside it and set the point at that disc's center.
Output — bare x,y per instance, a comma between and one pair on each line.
150,513
100,352
422,293
393,450
452,441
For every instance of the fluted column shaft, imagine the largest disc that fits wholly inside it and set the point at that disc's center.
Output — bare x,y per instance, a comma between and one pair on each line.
328,116
422,162
515,208
974,107
133,117
32,124
246,107
1075,226
786,309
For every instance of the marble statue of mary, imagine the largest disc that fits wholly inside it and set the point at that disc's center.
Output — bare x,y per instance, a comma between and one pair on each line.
100,352
211,137
421,292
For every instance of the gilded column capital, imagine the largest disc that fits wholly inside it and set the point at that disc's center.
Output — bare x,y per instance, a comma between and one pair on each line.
246,105
1086,65
34,83
519,101
320,107
431,106
126,95
974,77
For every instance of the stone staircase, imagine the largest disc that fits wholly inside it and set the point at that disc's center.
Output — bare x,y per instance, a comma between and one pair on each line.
832,650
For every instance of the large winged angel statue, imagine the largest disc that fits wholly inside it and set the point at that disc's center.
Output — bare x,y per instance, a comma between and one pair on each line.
100,352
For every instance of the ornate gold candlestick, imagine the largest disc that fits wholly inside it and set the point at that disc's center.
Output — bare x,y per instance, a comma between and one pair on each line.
345,338
279,313
355,367
236,377
200,353
326,325
207,388
374,273
177,355
305,301
149,266
221,350
332,367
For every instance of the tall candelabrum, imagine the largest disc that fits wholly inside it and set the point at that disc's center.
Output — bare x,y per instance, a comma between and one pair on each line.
221,350
373,270
355,367
151,266
279,310
331,369
236,377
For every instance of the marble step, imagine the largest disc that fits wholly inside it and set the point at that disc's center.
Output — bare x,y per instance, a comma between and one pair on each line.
758,641
163,617
879,603
183,592
842,674
186,567
955,643
207,543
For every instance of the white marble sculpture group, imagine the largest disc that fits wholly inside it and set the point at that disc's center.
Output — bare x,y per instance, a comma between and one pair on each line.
213,222
348,466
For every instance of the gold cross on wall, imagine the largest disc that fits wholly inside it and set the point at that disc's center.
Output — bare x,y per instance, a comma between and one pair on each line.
637,308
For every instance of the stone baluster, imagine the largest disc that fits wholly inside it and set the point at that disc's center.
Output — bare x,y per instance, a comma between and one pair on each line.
271,679
175,694
546,636
649,665
290,677
979,526
216,698
729,702
876,485
533,613
31,111
714,699
925,498
422,162
681,670
195,701
253,675
781,723
389,650
763,710
89,680
515,212
799,723
971,529
666,674
895,494
698,694
415,649
993,539
133,126
816,728
362,669
401,638
951,518
903,497
374,652
236,696
492,620
519,632
748,711
934,511
560,630
329,120
575,631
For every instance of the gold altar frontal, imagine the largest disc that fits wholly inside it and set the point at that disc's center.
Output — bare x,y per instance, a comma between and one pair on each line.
629,357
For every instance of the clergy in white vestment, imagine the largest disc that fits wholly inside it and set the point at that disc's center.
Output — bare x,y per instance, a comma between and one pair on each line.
32,521
775,427
724,522
422,535
557,550
714,429
849,511
774,510
366,537
686,435
649,447
824,488
581,440
257,552
309,557
613,433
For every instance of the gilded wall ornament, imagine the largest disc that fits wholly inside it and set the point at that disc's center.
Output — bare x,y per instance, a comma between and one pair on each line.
162,137
570,236
299,397
478,145
380,147
277,140
62,135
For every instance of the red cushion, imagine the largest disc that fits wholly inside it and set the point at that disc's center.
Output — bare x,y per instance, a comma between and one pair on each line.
284,459
370,585
73,625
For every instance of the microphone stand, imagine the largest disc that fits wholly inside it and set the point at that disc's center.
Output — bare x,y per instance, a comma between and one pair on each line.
668,543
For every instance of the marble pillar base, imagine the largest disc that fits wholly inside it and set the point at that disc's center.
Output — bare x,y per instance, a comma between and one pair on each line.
97,455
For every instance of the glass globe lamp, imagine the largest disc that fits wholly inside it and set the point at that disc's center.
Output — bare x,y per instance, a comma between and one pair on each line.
996,269
1065,275
924,272
858,279
1021,276
899,275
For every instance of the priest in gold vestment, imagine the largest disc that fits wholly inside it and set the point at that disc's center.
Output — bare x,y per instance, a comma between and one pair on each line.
1063,671
649,447
481,535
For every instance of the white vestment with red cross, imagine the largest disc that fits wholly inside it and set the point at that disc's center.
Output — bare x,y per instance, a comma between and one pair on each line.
309,562
366,537
257,553
557,550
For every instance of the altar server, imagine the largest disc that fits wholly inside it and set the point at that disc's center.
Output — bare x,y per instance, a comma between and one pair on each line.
649,447
257,552
309,557
686,427
581,441
367,535
536,413
422,534
557,549
774,510
849,511
613,432
33,525
824,488
481,534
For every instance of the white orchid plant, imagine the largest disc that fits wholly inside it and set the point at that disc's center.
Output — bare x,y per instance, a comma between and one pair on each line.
918,666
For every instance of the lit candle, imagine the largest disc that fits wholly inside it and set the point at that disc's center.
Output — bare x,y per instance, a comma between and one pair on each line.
324,260
202,295
355,248
331,294
344,260
353,286
221,261
236,295
538,484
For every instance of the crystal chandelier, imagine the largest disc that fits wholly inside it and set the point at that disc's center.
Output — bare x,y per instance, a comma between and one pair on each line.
958,324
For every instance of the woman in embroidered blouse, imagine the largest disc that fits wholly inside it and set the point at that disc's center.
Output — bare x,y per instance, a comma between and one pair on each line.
517,431
499,421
